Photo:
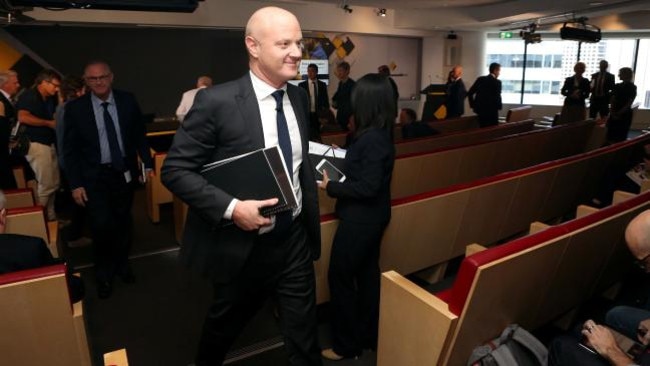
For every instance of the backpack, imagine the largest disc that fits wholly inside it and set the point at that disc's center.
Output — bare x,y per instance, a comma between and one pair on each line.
515,347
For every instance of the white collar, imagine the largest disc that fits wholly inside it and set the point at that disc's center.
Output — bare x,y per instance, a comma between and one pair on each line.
261,88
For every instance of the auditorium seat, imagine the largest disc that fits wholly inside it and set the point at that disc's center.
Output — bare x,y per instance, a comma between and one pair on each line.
116,358
31,221
19,198
39,324
431,228
530,281
159,137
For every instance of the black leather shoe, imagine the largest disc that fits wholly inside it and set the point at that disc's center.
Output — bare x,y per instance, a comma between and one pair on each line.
104,289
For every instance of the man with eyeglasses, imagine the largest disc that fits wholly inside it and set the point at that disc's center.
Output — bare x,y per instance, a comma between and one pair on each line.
633,322
36,108
250,257
103,135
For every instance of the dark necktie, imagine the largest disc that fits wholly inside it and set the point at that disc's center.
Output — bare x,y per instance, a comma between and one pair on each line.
283,219
114,146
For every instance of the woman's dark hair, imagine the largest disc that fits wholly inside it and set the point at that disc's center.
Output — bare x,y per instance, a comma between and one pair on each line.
373,104
70,85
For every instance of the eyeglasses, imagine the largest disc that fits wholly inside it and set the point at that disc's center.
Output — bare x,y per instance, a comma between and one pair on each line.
53,84
96,79
641,263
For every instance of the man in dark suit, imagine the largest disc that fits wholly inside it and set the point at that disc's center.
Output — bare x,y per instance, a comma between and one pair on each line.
602,84
456,93
102,138
485,97
342,99
255,257
9,86
318,100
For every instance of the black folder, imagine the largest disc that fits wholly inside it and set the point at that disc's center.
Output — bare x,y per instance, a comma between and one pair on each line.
257,175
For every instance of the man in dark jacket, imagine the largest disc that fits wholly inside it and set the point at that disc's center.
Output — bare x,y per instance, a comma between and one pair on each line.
485,97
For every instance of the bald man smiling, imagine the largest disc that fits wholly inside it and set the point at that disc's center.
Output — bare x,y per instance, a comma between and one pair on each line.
257,257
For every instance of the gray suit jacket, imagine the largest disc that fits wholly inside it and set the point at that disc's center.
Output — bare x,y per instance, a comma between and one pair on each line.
224,122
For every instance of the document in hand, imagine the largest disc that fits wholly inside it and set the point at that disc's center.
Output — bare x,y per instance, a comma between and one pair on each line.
319,152
257,175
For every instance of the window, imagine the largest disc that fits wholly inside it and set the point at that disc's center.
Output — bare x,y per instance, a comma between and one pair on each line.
548,63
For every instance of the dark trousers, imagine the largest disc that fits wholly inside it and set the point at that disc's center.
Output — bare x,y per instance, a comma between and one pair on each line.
599,105
277,266
7,180
314,127
618,128
354,281
109,212
488,118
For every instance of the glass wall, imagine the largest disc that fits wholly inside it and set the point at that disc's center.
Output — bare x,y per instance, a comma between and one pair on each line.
548,63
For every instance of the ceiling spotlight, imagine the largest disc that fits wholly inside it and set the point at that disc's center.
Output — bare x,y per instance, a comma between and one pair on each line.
381,12
347,9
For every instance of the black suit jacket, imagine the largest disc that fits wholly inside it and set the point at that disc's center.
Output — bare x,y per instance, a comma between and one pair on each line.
20,252
485,95
365,194
81,149
608,84
224,122
456,94
569,88
342,100
322,100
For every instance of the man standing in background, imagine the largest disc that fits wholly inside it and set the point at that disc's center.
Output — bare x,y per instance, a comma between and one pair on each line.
485,97
9,86
456,93
102,138
342,98
602,84
318,100
188,97
36,110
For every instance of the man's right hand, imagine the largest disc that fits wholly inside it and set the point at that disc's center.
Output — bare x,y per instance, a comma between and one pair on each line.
79,196
246,214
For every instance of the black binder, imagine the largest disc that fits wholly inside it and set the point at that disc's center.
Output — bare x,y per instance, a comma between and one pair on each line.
257,175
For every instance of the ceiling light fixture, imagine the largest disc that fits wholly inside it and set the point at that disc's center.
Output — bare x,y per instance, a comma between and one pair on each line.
346,7
381,12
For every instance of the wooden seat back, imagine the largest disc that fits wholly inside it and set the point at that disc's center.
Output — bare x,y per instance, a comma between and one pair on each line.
529,281
17,198
519,113
39,325
434,227
31,221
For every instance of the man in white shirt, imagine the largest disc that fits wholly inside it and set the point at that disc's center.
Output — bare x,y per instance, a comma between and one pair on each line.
188,97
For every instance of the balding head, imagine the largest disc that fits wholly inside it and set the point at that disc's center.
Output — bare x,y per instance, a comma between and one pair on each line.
274,44
204,81
637,235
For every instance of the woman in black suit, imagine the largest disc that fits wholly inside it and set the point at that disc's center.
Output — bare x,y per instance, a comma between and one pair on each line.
363,209
620,118
576,89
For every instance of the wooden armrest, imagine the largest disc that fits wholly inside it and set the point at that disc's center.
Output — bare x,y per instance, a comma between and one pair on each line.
53,231
116,358
537,226
584,210
414,325
620,196
473,248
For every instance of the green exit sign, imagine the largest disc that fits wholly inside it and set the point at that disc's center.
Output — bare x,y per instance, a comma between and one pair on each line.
505,35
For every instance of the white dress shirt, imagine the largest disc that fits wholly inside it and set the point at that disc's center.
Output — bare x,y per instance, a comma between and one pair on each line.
186,103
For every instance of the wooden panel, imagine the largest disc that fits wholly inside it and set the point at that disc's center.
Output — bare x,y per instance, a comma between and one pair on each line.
157,193
321,266
326,204
565,187
422,233
40,330
405,173
584,210
411,320
180,215
116,358
438,170
527,201
484,215
23,198
30,223
504,292
79,323
476,162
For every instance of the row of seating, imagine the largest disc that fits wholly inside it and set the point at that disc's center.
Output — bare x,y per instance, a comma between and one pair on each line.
530,281
26,218
417,173
41,326
432,228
